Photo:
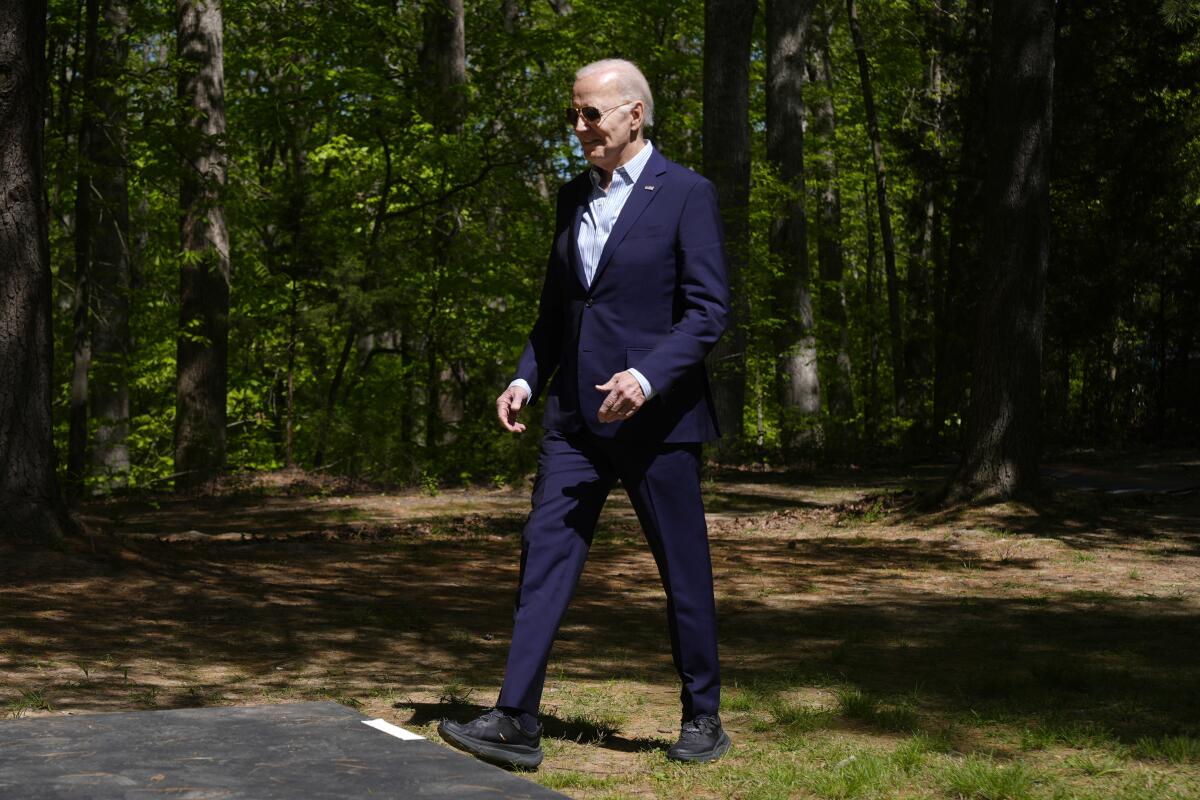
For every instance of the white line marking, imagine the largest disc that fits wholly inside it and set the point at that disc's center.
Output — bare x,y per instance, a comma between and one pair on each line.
393,730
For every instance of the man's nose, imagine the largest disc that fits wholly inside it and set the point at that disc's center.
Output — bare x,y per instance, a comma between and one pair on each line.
580,125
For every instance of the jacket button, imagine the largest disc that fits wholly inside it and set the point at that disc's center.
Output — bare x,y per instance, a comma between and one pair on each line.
589,302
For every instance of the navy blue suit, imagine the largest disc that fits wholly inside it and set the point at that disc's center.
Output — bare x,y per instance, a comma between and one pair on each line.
658,301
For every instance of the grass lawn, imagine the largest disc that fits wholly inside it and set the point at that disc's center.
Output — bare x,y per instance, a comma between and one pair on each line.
869,651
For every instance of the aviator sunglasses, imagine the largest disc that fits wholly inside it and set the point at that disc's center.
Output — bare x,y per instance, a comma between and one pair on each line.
591,114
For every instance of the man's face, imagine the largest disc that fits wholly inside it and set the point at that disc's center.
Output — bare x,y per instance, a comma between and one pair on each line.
604,141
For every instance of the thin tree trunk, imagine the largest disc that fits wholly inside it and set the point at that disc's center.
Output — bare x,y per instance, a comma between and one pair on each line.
1000,458
885,216
31,506
871,406
335,386
835,330
443,63
918,355
728,31
102,261
796,345
954,328
202,354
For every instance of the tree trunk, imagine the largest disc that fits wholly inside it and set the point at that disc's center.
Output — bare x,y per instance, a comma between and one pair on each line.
1000,457
954,326
102,260
31,506
885,216
202,354
918,353
796,345
728,31
835,330
444,65
871,405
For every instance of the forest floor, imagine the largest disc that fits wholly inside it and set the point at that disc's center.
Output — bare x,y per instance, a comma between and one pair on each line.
869,649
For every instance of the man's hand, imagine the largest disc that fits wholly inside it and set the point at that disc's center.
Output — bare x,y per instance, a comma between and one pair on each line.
508,406
624,398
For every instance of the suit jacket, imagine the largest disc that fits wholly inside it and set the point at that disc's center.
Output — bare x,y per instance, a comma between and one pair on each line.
658,302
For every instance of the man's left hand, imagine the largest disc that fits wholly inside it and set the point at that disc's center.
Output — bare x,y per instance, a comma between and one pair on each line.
624,398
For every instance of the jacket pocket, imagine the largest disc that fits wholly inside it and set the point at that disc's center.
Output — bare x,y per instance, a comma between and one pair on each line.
634,356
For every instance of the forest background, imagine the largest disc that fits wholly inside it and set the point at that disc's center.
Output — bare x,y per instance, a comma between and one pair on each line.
290,233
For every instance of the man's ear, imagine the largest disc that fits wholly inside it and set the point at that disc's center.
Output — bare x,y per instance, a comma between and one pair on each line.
637,119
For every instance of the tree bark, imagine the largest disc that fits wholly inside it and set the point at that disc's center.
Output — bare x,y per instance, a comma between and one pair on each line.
443,62
885,215
918,353
202,353
728,30
31,506
834,329
798,381
954,326
1000,458
102,260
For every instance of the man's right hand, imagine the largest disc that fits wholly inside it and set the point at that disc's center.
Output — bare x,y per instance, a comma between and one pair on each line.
508,406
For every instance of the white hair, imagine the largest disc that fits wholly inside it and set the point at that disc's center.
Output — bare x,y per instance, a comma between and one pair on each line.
629,79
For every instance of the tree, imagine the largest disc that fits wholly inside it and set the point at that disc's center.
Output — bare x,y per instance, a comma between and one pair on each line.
834,332
202,353
798,380
885,214
728,32
30,503
102,266
1000,457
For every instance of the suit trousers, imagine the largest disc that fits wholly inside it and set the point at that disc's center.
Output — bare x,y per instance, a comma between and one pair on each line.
576,471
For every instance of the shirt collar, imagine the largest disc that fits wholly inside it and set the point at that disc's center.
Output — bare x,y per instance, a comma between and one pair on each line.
630,171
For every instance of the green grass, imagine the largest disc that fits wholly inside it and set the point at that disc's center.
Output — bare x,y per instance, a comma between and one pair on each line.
30,700
981,778
1173,749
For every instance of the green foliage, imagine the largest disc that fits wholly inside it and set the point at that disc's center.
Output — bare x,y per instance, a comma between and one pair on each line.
386,264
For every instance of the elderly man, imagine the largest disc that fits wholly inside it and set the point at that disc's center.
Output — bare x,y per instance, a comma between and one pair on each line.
635,295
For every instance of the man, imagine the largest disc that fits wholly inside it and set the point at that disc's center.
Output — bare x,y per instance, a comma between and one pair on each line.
635,295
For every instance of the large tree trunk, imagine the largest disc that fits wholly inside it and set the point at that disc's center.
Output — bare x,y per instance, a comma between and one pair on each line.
202,355
796,344
728,30
1000,458
836,369
30,504
885,215
102,259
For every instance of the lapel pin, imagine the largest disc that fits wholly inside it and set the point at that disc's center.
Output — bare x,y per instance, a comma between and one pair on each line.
648,188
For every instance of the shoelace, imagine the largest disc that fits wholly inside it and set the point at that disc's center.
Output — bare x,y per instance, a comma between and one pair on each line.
700,726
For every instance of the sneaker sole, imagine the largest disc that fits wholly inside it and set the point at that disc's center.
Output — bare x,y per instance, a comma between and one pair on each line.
514,755
721,748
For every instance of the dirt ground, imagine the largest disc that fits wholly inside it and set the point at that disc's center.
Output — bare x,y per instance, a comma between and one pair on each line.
286,587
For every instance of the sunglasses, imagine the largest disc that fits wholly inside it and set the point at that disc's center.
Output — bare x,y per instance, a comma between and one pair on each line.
591,114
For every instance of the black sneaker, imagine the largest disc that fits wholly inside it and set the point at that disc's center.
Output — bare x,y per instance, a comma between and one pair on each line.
702,739
497,738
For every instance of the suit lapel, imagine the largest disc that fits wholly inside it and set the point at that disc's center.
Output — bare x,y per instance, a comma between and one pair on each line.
648,186
573,239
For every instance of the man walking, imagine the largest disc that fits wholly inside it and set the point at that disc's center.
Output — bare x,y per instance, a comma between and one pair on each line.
635,296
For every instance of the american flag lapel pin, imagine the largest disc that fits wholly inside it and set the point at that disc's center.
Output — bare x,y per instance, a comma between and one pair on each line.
648,188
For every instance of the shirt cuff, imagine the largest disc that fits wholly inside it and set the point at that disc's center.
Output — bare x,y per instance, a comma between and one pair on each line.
524,384
647,389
